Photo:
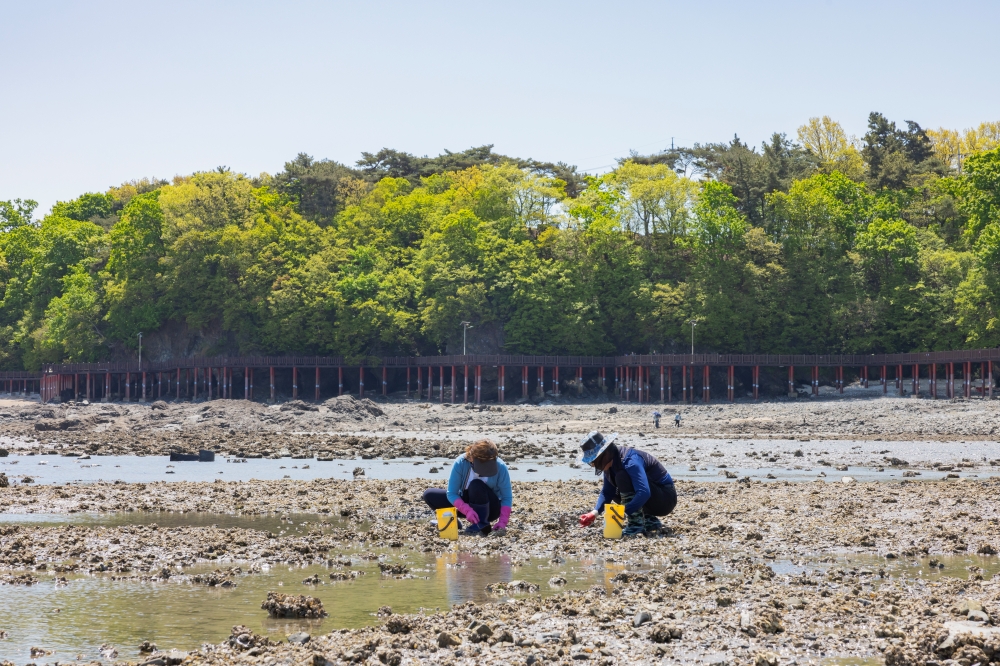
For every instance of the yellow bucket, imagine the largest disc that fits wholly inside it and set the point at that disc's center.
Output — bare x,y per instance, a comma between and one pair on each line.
614,520
448,523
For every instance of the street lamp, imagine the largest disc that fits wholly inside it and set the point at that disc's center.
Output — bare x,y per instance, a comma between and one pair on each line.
140,350
465,327
693,322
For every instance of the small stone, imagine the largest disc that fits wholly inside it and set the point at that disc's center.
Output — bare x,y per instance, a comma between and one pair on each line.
978,616
766,659
445,639
846,479
966,605
398,625
299,638
641,618
663,633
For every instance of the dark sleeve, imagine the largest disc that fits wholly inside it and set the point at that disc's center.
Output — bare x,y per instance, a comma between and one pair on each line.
607,494
637,472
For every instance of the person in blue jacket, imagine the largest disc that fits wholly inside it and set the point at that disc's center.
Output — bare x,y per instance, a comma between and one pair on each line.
631,477
479,487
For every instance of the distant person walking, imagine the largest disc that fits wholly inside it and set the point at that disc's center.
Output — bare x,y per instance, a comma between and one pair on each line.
656,418
677,420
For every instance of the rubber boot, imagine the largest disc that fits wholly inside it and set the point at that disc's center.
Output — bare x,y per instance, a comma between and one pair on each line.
636,520
483,511
653,524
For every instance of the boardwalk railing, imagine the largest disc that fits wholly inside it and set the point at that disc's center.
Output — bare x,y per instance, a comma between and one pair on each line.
637,376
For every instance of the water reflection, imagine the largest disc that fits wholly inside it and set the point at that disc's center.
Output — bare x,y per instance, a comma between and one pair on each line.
87,611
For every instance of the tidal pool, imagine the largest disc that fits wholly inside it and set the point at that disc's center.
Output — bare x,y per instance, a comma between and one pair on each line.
294,523
87,611
47,469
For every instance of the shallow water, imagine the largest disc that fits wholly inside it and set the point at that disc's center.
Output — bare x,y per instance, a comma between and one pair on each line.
79,616
295,523
145,469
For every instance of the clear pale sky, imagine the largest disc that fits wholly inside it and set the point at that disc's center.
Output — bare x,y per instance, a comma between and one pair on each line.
96,93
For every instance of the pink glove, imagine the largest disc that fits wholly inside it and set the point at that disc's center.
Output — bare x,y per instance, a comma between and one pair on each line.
467,511
504,517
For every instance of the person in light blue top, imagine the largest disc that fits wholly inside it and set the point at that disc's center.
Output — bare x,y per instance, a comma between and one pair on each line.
479,487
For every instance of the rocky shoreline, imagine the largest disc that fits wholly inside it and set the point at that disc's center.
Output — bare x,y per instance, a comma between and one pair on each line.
745,572
708,586
392,428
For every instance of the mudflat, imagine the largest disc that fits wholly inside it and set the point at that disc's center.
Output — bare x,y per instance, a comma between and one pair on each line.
745,571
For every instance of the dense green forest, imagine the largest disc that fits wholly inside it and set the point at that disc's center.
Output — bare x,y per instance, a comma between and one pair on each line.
820,244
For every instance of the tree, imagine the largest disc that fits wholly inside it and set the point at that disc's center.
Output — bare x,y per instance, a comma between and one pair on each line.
894,157
16,213
826,139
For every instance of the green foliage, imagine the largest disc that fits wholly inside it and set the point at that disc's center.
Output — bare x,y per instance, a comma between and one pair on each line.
782,249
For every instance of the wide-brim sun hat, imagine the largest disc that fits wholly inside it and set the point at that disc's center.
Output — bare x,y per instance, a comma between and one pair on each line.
593,445
485,468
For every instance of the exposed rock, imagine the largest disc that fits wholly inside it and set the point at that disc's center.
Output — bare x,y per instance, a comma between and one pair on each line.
290,605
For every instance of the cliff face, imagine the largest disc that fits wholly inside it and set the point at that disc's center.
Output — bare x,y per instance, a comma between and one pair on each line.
178,340
481,339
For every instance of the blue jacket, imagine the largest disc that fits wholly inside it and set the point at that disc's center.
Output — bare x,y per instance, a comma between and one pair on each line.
643,468
498,483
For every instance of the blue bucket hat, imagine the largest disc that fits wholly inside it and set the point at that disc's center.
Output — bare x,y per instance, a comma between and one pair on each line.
593,445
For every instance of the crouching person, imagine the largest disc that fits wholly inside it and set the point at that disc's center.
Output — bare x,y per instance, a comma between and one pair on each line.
479,487
631,477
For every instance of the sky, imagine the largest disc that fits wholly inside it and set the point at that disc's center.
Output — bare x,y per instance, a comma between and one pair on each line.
98,93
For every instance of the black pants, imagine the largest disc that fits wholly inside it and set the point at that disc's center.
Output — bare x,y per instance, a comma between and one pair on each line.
662,499
477,493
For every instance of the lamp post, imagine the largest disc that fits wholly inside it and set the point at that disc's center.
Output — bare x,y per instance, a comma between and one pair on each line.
465,327
140,351
693,322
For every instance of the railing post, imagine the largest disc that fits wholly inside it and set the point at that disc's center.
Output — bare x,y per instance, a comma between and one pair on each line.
706,386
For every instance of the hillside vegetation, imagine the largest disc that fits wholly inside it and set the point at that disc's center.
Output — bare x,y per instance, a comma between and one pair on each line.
820,244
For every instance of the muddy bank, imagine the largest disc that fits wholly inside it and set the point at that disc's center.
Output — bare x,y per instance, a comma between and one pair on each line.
897,520
349,428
